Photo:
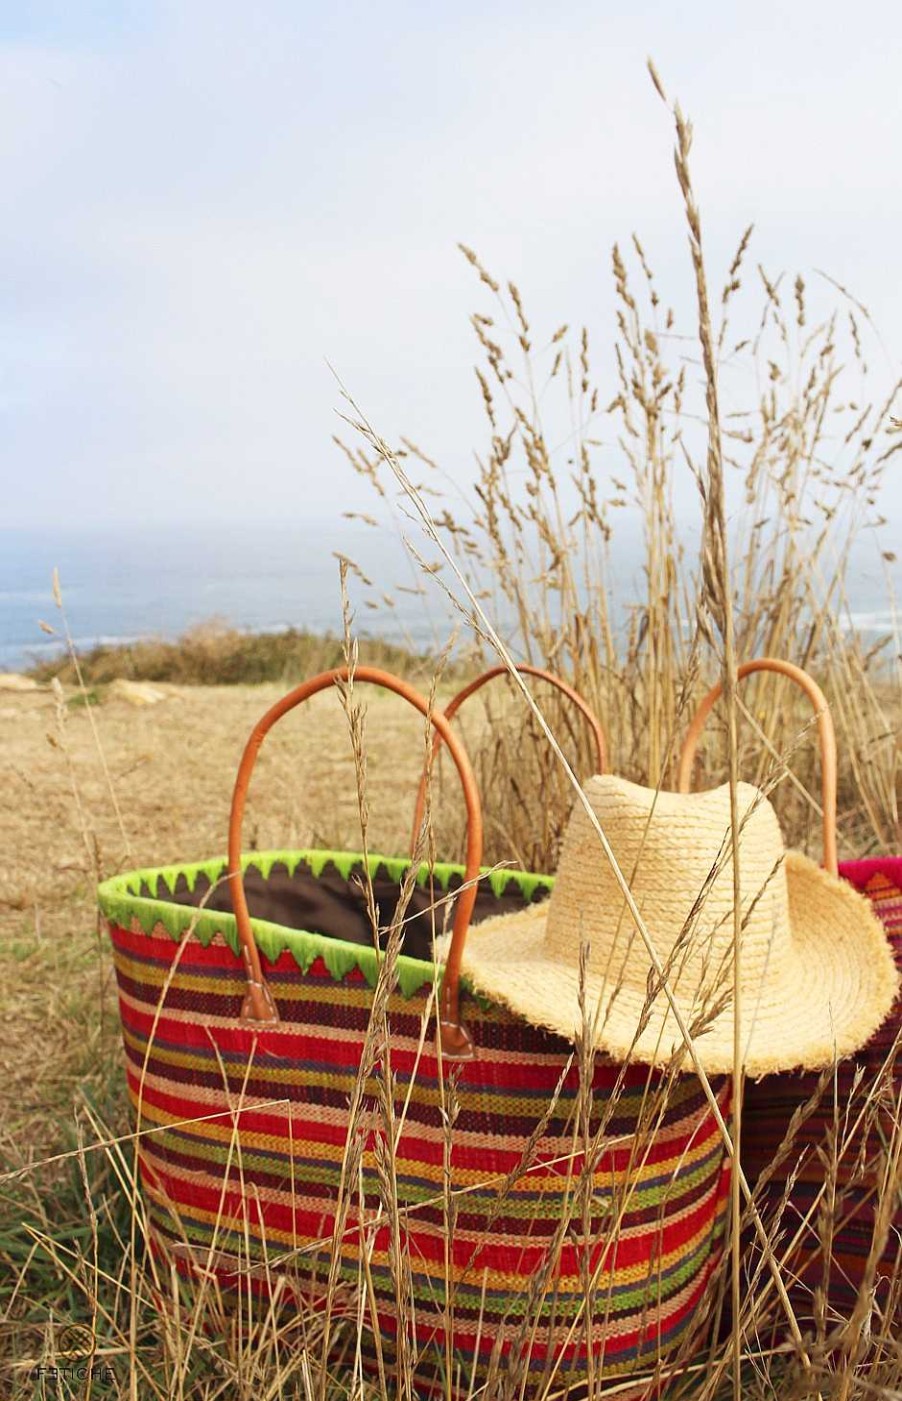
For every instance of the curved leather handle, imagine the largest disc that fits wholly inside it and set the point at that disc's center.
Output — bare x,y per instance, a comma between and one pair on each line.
258,1005
825,731
457,701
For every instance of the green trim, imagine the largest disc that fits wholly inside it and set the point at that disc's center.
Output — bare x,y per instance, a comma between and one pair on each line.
121,901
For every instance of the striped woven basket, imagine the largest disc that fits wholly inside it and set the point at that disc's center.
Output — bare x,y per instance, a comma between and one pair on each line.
489,1207
860,1250
786,1163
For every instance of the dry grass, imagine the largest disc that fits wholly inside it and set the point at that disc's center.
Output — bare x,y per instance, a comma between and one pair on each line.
803,441
214,654
66,1228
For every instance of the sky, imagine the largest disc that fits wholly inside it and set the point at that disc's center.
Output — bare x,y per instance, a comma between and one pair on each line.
206,208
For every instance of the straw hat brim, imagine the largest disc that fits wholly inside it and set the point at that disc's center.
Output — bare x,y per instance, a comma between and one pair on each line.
831,993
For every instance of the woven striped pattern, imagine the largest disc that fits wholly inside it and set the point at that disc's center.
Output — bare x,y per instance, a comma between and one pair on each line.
510,1244
768,1109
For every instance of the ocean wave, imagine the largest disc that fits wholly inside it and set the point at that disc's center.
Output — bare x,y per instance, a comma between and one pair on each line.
875,620
22,652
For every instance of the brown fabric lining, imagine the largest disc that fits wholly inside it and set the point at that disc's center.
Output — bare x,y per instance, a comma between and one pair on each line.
331,905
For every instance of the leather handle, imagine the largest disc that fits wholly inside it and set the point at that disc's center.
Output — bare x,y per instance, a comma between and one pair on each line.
258,1005
825,731
457,701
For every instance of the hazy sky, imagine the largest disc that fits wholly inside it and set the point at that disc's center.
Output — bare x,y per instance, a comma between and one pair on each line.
203,202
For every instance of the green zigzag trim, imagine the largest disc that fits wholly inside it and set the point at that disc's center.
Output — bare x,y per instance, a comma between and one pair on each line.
264,864
169,875
121,902
213,870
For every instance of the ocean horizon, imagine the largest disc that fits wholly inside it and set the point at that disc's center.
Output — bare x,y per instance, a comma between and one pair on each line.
124,584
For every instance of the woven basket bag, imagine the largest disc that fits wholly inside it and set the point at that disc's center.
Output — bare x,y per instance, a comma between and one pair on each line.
485,1207
859,1250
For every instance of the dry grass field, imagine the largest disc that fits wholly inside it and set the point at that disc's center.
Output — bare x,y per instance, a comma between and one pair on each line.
159,794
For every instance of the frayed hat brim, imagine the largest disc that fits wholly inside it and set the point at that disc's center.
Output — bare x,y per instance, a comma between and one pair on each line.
829,996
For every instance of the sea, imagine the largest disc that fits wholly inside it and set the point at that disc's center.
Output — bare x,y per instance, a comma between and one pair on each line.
121,584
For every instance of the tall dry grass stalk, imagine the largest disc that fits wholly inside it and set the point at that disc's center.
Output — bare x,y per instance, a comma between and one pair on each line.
568,470
715,598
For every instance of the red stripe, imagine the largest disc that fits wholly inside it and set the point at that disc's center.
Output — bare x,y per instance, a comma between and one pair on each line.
429,1243
415,1148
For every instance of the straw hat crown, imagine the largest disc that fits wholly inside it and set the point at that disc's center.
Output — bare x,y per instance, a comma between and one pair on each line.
677,856
817,975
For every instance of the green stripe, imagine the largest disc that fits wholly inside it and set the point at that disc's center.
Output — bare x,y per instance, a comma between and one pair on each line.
558,1308
522,1200
121,903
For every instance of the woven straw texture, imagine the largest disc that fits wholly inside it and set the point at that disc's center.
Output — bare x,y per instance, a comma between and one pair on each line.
817,973
768,1109
502,1253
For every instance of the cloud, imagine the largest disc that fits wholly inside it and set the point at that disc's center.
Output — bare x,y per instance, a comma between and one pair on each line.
199,209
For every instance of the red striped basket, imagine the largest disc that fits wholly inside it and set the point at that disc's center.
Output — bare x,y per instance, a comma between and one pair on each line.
493,1210
791,1185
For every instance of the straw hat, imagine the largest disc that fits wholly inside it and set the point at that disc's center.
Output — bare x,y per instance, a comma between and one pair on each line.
817,975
